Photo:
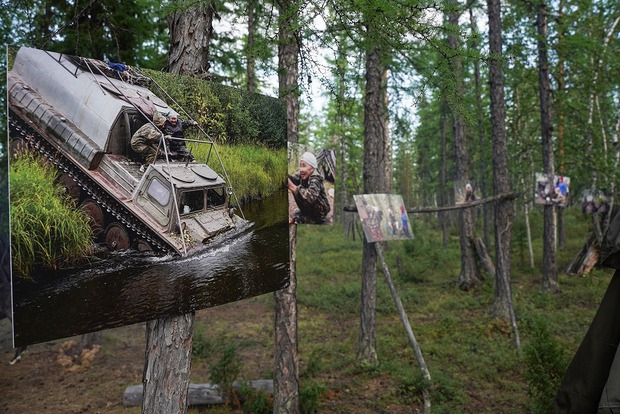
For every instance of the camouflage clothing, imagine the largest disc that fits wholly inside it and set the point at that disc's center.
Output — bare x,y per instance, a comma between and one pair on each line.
311,199
145,142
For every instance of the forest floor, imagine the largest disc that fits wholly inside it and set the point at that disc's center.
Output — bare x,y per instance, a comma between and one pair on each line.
43,381
474,364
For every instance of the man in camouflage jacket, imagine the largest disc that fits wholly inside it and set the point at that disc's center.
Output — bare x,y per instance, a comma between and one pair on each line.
146,140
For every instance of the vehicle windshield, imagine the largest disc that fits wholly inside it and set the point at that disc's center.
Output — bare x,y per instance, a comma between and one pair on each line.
216,197
192,201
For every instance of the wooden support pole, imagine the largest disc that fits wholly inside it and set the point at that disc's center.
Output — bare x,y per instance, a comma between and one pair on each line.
412,341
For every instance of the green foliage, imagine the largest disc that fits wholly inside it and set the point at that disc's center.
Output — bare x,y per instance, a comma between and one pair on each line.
444,390
471,356
98,29
228,115
225,371
46,229
545,364
201,347
254,171
255,401
312,390
310,395
425,251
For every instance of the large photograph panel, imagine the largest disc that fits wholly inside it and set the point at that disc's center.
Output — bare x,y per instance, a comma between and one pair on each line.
129,203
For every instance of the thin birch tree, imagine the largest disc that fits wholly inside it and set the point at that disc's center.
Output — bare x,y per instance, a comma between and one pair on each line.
501,182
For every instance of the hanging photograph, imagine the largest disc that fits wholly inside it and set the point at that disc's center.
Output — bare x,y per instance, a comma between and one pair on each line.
466,192
311,177
383,217
595,202
552,190
131,200
561,189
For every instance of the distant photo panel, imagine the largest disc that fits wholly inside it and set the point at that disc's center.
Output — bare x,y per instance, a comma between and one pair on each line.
384,217
552,190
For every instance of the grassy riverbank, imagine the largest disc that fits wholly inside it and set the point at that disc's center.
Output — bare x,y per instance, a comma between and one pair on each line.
255,171
46,229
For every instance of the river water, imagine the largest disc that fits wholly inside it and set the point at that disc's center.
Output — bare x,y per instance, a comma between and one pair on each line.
130,287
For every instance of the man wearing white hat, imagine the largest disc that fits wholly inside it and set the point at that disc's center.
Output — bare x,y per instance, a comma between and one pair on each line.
309,192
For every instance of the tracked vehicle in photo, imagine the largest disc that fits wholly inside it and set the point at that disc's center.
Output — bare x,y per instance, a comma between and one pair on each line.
81,114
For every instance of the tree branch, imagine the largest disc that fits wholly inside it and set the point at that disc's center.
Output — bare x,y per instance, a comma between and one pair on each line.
503,196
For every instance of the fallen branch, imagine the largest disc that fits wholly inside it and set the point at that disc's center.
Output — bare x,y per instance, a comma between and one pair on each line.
504,196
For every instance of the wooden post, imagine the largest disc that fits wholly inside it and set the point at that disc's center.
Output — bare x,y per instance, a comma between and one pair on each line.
412,341
168,362
286,379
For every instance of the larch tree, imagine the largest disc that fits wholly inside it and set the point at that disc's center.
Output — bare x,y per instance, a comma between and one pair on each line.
286,380
501,179
169,339
481,129
191,28
130,32
251,44
375,178
469,275
550,271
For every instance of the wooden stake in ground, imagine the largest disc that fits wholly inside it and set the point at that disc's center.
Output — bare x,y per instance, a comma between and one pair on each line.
412,341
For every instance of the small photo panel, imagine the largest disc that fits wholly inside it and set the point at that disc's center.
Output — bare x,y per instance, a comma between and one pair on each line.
311,176
384,217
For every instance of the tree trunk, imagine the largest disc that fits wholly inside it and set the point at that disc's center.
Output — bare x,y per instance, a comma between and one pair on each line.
375,181
286,380
482,174
342,128
561,72
169,340
528,232
191,29
168,362
443,175
561,234
550,271
468,278
501,183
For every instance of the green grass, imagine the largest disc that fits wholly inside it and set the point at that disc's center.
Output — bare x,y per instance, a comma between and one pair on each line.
254,171
471,356
46,229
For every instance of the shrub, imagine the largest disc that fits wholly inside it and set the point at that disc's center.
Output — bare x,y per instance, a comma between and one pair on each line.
225,371
545,364
256,401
